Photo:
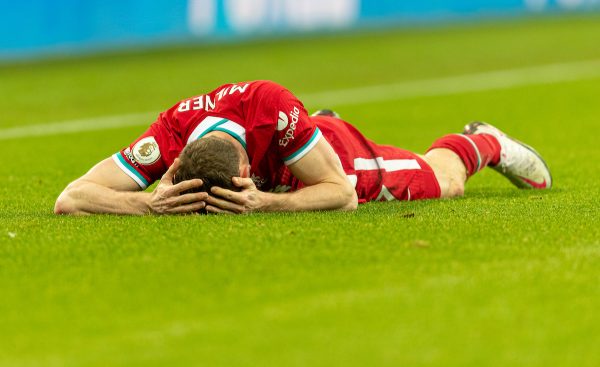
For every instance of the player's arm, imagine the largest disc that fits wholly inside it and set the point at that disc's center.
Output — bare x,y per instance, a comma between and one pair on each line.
327,188
107,189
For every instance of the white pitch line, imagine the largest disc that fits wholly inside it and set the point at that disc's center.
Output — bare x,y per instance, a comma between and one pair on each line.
476,82
79,125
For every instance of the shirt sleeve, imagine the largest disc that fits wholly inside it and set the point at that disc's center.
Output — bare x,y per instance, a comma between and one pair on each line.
144,159
296,133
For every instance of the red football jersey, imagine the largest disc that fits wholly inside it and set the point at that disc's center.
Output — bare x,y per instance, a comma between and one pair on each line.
276,131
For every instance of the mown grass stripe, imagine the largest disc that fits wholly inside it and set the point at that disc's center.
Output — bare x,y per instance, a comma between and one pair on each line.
475,82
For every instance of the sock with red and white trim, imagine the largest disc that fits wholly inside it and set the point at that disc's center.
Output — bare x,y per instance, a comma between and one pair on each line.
476,151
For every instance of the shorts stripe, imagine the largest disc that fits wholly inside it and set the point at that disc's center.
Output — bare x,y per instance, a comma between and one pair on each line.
129,170
364,164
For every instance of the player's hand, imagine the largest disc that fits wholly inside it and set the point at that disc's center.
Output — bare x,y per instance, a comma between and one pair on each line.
166,198
223,201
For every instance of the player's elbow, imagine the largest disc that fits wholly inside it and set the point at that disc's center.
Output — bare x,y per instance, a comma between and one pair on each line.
350,198
66,203
352,204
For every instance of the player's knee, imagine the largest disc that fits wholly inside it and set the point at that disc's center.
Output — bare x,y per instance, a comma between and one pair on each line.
456,188
451,187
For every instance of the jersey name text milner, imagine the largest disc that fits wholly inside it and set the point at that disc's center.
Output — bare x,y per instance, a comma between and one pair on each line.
206,102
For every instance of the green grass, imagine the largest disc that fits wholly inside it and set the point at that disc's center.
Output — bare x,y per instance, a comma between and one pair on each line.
501,277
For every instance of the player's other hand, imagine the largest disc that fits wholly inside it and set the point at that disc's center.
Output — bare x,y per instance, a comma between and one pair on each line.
223,201
167,199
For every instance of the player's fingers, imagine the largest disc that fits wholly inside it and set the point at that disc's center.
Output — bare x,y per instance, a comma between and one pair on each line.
214,210
233,196
243,182
184,186
189,208
187,198
224,204
170,174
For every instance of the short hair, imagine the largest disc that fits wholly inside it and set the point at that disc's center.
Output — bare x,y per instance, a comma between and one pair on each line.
213,160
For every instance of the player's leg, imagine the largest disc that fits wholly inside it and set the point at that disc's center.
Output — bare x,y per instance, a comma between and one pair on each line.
447,167
456,157
449,171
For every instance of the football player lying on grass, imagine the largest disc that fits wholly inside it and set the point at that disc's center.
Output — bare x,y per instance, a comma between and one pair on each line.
252,147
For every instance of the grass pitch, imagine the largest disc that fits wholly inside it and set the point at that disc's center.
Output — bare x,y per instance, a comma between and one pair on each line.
501,277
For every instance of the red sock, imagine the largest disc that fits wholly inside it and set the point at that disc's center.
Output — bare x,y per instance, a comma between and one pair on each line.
476,151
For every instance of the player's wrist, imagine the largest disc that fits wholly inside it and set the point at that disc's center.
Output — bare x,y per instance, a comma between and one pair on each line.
143,203
273,202
263,202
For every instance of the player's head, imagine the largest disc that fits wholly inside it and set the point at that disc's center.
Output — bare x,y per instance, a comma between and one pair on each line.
213,160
